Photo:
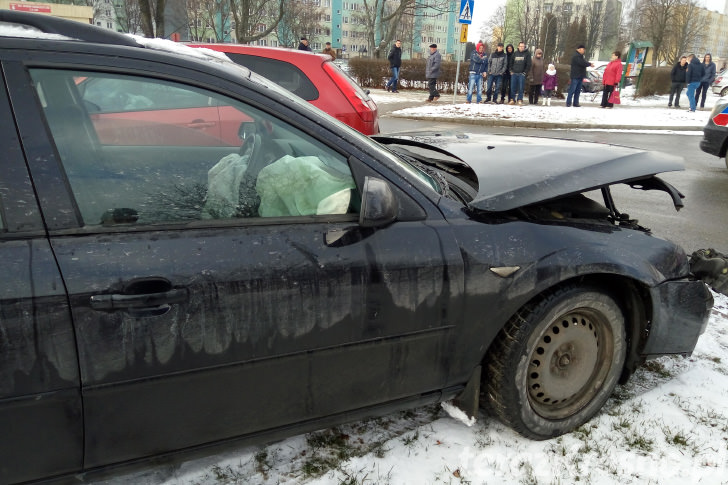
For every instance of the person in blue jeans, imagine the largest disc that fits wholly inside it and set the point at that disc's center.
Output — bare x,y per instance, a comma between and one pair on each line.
693,76
519,64
478,68
577,75
497,64
395,62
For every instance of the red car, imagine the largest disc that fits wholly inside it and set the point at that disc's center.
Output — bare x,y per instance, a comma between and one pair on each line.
313,77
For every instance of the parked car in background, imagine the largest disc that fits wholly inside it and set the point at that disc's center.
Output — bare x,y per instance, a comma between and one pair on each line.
592,82
603,65
313,77
167,296
720,85
715,131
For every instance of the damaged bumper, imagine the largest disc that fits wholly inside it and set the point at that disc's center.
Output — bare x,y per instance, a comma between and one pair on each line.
681,310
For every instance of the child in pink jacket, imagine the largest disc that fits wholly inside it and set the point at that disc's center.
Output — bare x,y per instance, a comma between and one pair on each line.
550,81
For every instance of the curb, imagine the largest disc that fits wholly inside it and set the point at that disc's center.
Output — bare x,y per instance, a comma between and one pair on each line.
542,124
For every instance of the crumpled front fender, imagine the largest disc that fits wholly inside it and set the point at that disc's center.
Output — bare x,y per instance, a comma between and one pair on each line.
681,309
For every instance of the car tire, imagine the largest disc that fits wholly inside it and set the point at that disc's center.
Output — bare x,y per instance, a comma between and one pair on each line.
724,92
726,159
556,362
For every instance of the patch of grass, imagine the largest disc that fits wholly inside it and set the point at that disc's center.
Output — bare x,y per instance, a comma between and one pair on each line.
622,423
362,477
262,465
529,477
411,439
226,474
621,395
482,441
678,438
640,442
715,359
658,368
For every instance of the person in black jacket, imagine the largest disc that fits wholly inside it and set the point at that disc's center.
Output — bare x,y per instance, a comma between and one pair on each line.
496,68
303,45
519,65
708,78
677,76
506,86
395,62
693,77
578,73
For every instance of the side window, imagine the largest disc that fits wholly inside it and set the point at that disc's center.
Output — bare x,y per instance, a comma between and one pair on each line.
284,74
140,150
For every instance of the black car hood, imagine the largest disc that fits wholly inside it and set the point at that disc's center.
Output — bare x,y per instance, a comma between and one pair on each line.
516,171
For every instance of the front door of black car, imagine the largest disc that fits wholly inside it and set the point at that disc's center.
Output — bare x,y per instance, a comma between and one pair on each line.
207,299
40,395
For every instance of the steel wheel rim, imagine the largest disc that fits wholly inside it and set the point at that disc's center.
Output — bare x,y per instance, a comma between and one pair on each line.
569,363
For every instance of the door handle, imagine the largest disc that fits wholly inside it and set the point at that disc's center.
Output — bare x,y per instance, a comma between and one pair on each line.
200,124
144,301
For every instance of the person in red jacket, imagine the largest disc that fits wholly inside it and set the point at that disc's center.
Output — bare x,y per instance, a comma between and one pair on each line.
611,78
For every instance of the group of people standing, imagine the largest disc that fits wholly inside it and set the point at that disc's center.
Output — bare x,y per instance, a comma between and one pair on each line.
506,73
509,73
697,75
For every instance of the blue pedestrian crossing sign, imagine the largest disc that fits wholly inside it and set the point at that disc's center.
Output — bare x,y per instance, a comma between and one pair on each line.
466,12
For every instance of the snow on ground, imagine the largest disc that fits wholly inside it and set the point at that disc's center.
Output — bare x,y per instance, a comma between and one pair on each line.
667,425
589,115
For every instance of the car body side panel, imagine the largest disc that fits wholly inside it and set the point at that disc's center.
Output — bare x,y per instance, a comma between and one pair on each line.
548,255
272,317
40,404
680,315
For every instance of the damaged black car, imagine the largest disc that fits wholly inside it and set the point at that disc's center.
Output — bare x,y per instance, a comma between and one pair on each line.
193,255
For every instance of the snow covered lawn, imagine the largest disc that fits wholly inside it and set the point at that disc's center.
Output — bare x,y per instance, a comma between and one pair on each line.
668,425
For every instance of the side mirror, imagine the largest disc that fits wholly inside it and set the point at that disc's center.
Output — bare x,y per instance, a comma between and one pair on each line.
378,204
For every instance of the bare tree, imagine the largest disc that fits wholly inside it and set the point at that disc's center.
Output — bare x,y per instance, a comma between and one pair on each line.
254,19
302,18
687,31
382,19
497,28
197,19
128,16
594,19
216,13
549,31
655,22
527,21
152,17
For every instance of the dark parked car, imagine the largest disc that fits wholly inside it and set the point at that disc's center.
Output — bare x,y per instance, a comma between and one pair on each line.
165,296
715,131
313,77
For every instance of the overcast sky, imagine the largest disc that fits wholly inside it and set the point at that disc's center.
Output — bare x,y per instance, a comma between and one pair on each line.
483,9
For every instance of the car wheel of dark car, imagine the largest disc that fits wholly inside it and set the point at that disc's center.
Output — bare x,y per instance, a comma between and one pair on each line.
556,362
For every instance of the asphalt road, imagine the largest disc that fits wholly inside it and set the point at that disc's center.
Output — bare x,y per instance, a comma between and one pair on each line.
700,224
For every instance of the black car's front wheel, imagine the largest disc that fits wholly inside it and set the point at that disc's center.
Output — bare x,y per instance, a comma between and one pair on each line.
556,362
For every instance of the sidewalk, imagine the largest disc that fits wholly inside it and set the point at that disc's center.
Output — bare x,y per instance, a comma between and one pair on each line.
649,113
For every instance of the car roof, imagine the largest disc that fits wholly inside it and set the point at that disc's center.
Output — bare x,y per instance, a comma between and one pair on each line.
264,51
37,27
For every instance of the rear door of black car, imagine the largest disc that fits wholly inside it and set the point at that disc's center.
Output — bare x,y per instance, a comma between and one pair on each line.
41,422
195,319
